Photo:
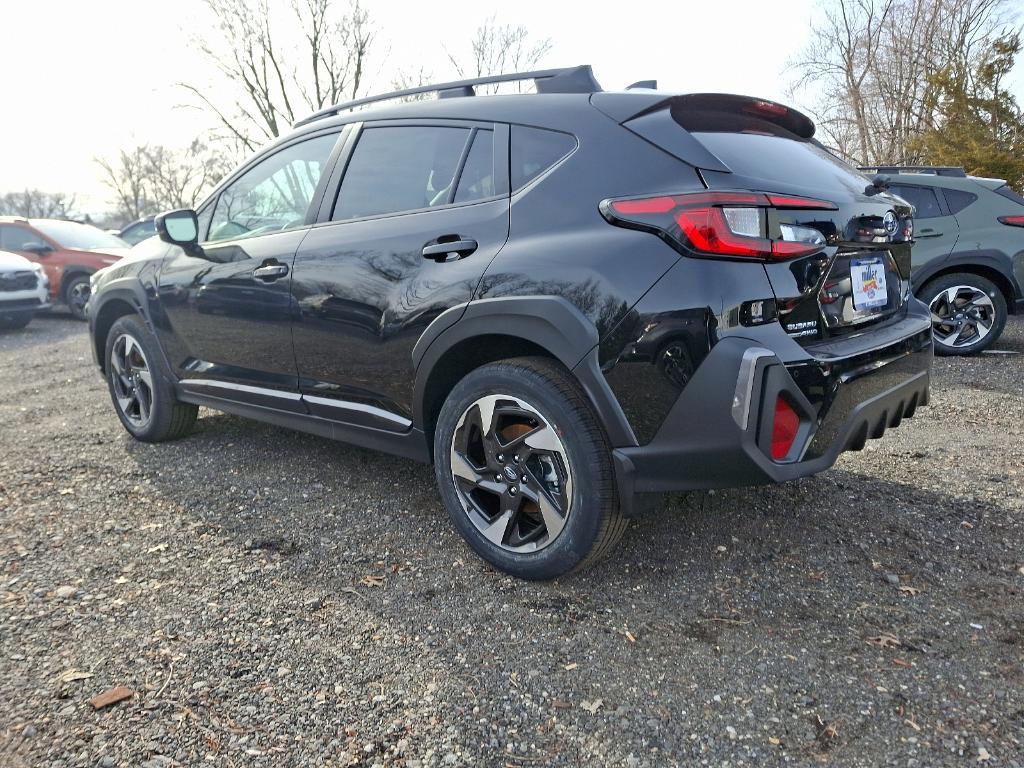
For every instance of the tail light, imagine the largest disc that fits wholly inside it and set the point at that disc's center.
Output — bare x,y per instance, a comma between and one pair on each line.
1013,221
724,224
784,429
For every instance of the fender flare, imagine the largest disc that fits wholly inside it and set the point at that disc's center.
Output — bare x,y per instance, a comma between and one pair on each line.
72,271
129,290
550,322
988,258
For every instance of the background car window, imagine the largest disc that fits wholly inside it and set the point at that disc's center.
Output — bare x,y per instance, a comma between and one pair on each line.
400,169
71,234
476,181
957,199
14,238
924,200
534,150
273,196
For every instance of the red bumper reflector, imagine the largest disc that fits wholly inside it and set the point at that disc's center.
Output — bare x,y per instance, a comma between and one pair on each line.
784,430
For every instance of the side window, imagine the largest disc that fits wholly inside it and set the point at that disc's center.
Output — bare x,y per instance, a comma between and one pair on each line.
957,199
273,196
400,168
924,200
204,217
13,238
476,181
534,150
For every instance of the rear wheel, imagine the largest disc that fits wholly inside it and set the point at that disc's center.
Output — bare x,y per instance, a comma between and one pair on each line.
76,295
141,387
968,313
525,470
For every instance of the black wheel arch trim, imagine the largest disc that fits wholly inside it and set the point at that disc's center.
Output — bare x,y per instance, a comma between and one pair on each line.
550,322
72,271
131,291
990,259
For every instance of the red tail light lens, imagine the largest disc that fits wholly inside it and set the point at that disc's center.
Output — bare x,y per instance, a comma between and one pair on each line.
1013,221
727,224
784,430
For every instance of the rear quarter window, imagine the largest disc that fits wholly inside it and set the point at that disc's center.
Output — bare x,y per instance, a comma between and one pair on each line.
1010,194
958,199
534,150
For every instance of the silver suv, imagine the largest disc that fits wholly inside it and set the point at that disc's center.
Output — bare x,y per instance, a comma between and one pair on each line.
24,291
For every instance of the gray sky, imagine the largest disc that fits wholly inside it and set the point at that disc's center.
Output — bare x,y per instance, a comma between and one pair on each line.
82,79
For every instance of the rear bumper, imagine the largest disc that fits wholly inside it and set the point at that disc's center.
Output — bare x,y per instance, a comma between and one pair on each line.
718,433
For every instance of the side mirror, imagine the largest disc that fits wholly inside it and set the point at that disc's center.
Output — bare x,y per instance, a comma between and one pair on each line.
39,249
178,227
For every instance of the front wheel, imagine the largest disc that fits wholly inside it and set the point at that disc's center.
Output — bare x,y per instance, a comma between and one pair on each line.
968,313
140,386
76,295
525,470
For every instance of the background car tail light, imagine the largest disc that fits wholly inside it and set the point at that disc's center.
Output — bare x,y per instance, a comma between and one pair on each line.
724,224
784,429
1013,221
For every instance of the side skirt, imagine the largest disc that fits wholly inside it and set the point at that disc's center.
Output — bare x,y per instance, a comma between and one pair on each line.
411,444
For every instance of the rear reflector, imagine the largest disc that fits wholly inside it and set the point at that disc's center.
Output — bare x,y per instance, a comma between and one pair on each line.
724,224
784,430
1013,221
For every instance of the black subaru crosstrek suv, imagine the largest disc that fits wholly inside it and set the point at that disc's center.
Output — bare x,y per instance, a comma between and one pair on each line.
569,301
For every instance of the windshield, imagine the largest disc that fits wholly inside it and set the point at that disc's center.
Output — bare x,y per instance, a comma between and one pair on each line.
80,236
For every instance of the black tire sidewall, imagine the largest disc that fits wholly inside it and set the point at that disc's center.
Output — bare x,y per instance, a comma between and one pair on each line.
163,394
936,286
67,287
587,459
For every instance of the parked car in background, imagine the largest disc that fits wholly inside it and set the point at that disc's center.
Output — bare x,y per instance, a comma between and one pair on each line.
68,252
24,290
568,301
968,255
137,231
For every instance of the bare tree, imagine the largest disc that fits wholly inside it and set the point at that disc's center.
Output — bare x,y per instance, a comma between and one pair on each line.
273,82
148,179
871,68
36,204
497,49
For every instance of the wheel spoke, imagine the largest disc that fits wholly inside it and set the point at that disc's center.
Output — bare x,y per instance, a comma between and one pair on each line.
497,530
462,468
142,395
146,377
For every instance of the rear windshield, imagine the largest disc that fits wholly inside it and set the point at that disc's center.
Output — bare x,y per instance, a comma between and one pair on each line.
781,159
1010,194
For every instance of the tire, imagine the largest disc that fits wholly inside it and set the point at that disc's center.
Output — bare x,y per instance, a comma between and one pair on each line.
554,441
141,386
14,322
76,295
968,312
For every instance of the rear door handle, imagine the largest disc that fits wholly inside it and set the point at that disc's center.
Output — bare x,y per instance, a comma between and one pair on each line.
928,233
449,251
270,272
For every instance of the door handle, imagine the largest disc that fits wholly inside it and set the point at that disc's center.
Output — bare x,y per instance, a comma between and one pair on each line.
451,250
928,233
270,272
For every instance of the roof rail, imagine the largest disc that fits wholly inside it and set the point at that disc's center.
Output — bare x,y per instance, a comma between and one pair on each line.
565,80
936,170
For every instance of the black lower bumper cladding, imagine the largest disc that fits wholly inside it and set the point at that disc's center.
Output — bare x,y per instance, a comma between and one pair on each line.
718,433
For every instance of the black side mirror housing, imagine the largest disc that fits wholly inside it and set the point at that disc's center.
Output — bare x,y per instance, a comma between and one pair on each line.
39,249
179,227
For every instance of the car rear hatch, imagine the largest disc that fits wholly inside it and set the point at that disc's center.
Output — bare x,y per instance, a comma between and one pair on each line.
860,273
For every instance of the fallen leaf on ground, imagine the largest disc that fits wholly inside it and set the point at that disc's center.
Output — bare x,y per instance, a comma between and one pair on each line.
885,640
73,674
112,696
983,755
592,706
774,741
372,581
911,590
629,636
570,667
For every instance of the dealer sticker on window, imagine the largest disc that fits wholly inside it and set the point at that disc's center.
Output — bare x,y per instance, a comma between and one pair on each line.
868,278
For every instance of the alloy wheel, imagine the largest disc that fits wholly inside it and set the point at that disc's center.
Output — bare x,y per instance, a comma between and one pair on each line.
78,297
511,473
962,316
132,380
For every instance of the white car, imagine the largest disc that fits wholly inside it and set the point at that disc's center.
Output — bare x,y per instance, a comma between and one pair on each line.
24,290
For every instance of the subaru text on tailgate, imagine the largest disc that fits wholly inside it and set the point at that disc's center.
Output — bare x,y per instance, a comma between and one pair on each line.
569,302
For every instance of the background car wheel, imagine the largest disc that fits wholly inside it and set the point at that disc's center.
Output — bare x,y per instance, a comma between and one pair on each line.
968,313
14,322
140,385
525,469
76,295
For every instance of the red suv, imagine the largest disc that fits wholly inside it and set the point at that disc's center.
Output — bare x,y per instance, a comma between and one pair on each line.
67,251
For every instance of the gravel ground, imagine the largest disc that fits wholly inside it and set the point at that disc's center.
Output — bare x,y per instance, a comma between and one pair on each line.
274,599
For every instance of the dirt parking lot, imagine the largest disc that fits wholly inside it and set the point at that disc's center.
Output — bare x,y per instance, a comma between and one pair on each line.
275,599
